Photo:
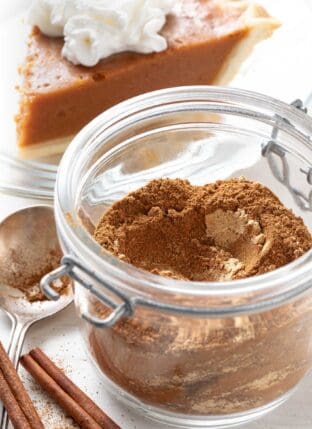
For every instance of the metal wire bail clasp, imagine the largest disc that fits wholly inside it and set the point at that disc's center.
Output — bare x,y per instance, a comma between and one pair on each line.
70,267
281,170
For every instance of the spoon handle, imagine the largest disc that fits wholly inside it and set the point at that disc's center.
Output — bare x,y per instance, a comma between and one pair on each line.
18,334
19,330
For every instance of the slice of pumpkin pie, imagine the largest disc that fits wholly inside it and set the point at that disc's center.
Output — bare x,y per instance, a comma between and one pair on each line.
200,42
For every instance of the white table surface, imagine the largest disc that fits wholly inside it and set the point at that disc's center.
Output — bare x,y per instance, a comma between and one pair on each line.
287,76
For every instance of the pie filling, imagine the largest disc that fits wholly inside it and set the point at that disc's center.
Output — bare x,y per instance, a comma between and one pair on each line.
207,42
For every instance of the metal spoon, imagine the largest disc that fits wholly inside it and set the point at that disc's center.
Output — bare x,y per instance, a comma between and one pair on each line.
28,241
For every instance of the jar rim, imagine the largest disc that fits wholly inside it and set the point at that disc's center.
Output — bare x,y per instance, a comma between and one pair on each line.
289,279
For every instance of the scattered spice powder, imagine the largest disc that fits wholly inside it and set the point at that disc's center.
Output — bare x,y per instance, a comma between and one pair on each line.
201,365
226,230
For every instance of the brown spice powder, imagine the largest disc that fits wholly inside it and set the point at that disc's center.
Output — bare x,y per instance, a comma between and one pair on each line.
202,365
26,276
226,230
21,269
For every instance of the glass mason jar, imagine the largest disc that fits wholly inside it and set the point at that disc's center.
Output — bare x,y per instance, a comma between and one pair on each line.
189,354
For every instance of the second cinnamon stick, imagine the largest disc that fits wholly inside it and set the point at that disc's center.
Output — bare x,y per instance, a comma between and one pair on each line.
69,405
69,387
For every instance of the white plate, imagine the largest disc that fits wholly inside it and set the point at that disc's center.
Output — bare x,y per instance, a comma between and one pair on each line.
281,66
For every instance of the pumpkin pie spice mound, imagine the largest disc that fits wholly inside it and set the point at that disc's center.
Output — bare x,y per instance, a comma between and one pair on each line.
201,365
226,230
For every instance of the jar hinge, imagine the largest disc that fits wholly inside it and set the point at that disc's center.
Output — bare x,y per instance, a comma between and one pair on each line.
274,152
69,264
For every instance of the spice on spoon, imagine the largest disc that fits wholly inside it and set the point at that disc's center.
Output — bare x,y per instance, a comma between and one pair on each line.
29,249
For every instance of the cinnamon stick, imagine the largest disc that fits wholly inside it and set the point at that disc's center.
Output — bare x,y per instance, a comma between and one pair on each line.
69,387
10,403
18,390
69,405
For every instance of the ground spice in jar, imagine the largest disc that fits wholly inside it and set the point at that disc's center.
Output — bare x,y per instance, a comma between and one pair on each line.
200,365
226,230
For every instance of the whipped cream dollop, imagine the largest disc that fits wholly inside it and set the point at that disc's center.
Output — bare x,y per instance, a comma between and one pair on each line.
96,29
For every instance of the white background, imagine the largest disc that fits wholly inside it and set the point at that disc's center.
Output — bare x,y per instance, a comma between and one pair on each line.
281,67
